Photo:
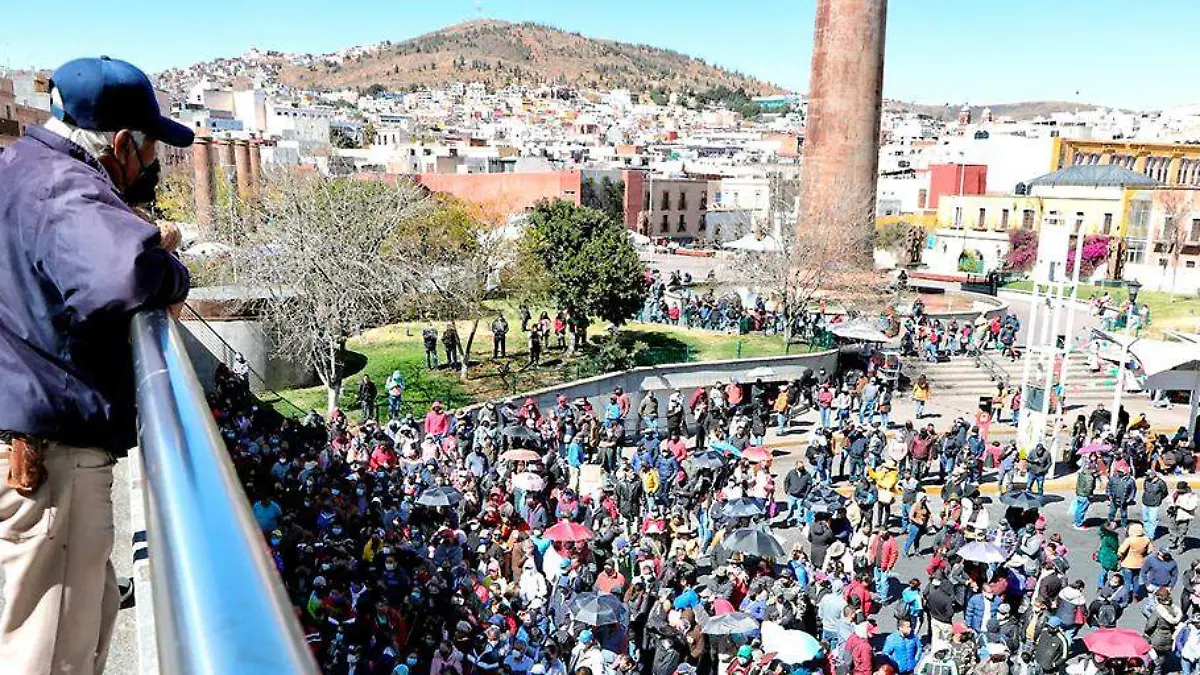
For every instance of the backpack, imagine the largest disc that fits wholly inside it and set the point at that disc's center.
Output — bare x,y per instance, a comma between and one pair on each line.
1104,614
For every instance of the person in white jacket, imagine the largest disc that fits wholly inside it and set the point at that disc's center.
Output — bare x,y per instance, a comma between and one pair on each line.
532,586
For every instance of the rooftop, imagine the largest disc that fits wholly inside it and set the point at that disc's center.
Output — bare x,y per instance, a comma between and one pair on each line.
1094,175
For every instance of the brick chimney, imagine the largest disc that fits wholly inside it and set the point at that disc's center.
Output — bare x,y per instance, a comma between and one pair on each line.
203,179
241,158
255,167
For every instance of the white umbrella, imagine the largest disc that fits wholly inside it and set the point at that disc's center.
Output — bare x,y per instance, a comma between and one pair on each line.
789,646
763,372
529,481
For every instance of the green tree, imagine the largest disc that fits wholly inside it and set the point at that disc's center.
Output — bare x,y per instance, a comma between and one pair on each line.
584,260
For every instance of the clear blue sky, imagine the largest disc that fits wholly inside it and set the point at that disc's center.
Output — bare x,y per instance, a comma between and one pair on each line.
1114,52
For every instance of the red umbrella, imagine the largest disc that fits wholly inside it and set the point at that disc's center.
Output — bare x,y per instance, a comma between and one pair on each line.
565,530
721,606
1117,643
756,454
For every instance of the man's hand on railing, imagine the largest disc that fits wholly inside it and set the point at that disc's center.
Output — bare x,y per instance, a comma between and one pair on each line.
174,310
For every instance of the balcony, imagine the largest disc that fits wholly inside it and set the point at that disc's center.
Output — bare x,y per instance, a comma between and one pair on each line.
218,605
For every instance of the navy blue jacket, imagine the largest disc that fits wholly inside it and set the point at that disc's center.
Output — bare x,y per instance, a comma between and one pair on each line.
75,264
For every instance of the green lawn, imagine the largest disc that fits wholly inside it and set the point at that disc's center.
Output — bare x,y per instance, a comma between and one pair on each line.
1178,312
399,346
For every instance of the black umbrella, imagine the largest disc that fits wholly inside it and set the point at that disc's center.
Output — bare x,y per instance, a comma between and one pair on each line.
742,507
598,609
708,459
1024,499
732,623
753,541
443,495
520,432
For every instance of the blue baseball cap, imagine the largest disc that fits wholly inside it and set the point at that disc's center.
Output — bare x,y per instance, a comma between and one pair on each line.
107,94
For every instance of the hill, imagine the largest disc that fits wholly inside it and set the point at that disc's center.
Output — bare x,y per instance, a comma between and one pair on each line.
1021,110
496,53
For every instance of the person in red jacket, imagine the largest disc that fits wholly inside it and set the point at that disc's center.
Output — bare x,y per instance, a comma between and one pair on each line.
437,422
858,649
884,551
859,593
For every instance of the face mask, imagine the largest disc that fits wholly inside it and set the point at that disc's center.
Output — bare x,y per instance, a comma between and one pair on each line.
390,567
275,541
411,661
337,530
143,188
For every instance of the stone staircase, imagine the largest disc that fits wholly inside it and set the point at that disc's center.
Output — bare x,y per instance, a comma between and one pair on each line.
962,378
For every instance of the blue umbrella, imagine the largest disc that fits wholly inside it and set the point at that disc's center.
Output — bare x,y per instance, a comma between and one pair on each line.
728,448
708,459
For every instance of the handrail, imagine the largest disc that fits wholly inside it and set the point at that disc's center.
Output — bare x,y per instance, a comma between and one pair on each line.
219,606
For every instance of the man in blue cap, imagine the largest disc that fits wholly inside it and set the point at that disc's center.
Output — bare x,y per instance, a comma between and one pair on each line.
76,261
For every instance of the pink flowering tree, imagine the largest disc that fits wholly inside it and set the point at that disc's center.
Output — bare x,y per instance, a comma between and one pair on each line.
1095,253
1022,250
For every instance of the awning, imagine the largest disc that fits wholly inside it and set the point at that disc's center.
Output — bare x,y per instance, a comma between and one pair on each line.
860,330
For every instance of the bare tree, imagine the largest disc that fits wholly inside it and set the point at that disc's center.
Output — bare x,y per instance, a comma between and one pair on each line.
818,255
1177,207
467,252
336,258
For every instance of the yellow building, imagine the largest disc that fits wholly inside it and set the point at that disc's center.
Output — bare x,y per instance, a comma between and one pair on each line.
1094,197
1169,163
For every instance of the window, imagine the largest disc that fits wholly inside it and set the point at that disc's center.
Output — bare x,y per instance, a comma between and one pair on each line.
665,227
1004,219
682,223
957,217
1107,223
1194,235
1190,264
1027,219
703,226
665,205
1135,252
682,200
703,201
982,219
1079,221
1052,218
1168,229
1139,219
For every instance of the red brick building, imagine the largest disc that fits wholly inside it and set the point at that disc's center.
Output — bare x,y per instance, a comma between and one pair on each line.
506,193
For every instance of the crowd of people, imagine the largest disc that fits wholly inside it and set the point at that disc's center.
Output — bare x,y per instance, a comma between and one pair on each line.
652,537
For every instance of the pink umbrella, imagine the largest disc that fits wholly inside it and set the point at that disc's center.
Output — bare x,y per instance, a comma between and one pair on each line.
565,530
521,456
1117,643
1094,448
756,454
721,606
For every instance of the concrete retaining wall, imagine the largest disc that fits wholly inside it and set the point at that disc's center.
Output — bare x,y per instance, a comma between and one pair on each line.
250,339
686,377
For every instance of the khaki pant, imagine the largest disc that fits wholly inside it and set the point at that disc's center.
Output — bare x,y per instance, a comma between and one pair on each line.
60,592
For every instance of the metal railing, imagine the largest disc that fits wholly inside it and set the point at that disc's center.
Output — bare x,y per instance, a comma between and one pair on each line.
219,606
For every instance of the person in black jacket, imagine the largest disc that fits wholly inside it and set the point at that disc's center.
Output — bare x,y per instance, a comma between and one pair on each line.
796,486
939,604
367,391
1052,647
1154,491
1122,490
